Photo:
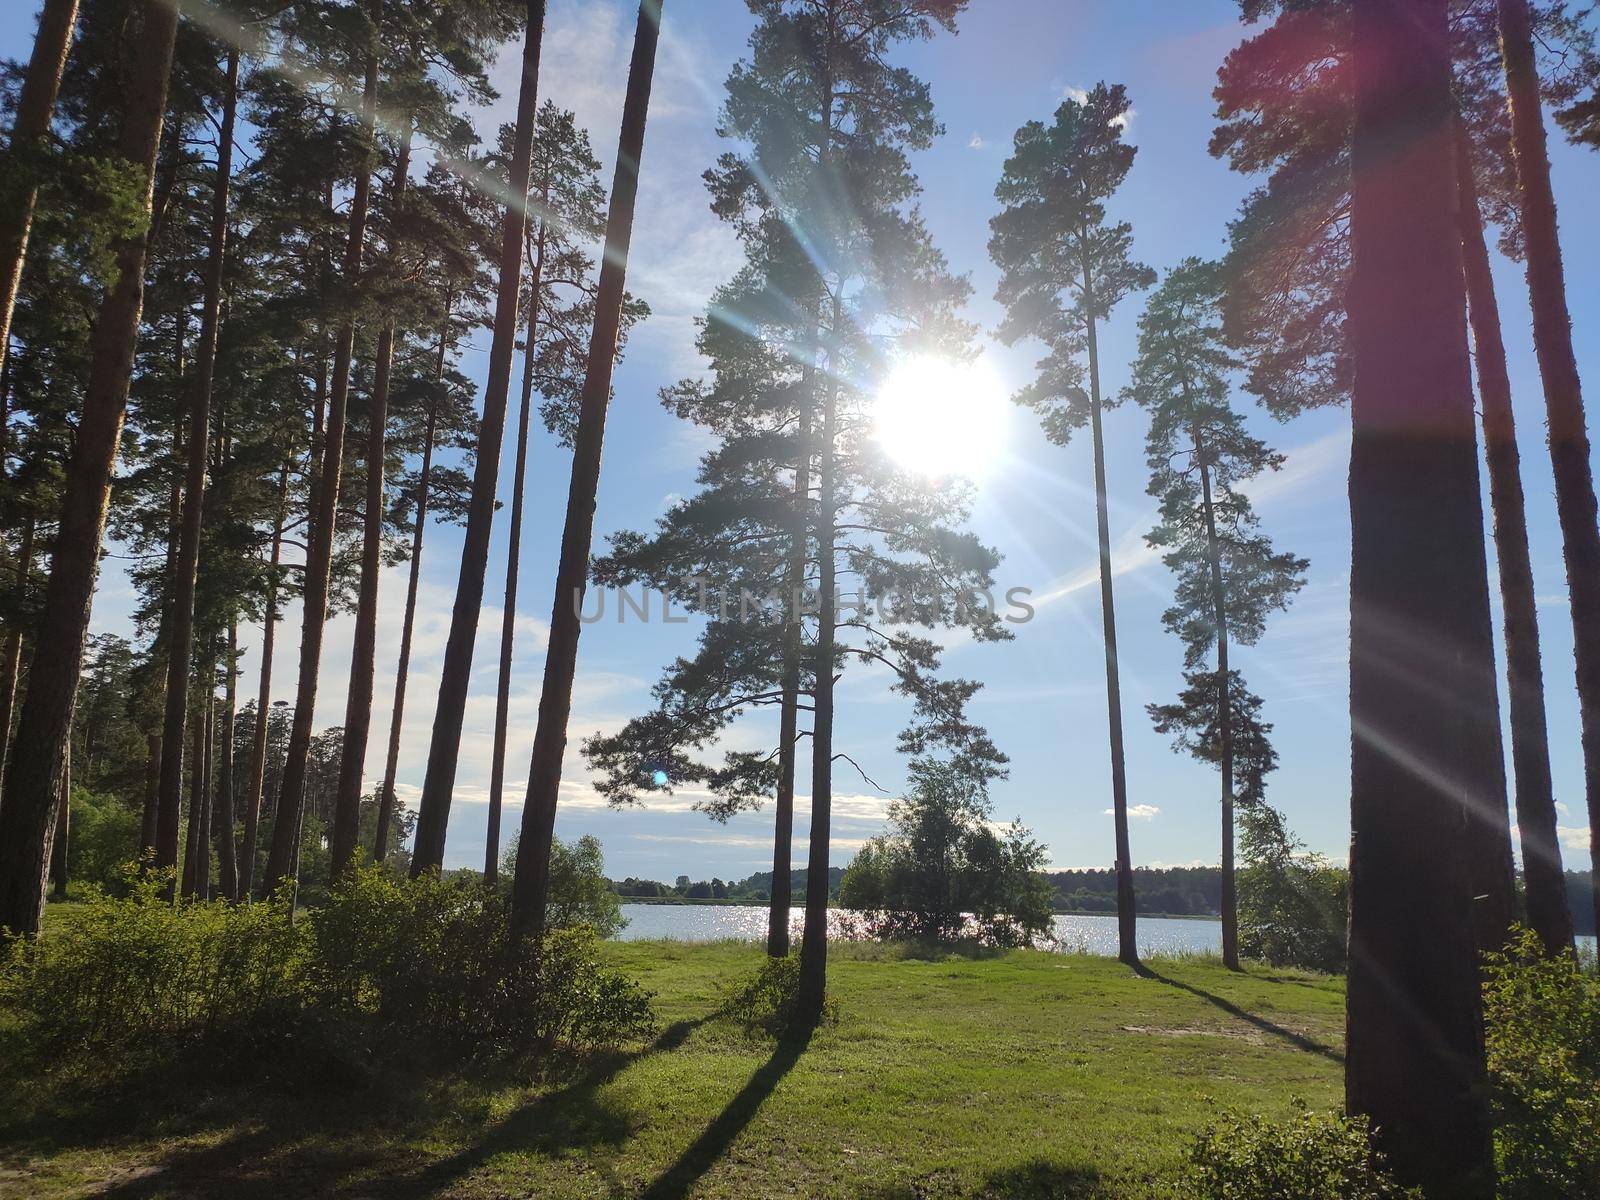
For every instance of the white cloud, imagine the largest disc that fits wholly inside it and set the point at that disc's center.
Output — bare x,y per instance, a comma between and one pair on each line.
1139,812
1573,837
976,142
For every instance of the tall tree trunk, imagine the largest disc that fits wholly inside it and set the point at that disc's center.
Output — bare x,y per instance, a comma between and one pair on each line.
258,737
222,803
58,852
531,885
1421,646
1219,609
1548,910
283,858
11,655
199,771
180,640
1127,930
202,873
27,817
508,613
781,902
30,129
152,780
444,749
386,798
363,656
814,936
1563,390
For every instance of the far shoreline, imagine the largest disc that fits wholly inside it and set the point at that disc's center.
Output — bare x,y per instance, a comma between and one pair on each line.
799,905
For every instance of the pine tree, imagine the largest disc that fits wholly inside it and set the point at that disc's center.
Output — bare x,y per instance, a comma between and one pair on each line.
530,883
558,304
1064,268
27,813
1228,576
30,127
1421,648
1563,389
444,748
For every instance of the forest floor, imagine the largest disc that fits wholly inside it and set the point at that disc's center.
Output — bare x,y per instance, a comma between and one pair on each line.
1026,1074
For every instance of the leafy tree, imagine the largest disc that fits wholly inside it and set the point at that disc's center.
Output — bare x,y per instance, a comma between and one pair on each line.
943,873
1064,267
1292,904
1229,578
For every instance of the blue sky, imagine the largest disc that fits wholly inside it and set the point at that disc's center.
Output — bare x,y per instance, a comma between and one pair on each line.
1012,61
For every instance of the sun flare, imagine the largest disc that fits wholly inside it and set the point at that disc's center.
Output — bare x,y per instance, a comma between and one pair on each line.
938,417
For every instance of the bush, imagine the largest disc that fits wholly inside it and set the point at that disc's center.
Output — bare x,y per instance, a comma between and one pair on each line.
138,975
580,893
1293,905
435,958
384,967
765,1002
103,838
1542,1025
1307,1156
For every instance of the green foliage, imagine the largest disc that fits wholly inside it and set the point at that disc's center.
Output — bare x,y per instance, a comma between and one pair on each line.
1542,1024
128,979
1293,905
765,1001
103,838
1307,1155
944,874
580,893
428,965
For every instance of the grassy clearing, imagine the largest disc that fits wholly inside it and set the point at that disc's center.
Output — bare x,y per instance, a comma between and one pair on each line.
1028,1074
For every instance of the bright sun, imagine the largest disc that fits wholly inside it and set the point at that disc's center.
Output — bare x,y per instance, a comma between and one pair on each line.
937,417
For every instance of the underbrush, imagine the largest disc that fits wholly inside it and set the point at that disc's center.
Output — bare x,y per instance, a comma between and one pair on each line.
424,972
767,1001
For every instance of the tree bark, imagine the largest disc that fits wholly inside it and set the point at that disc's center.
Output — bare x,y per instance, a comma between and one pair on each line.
1548,912
1219,603
152,779
781,901
30,131
1563,390
386,798
814,936
444,749
27,817
180,630
258,737
1127,929
11,655
363,656
58,853
1421,646
283,858
222,803
531,885
508,613
199,782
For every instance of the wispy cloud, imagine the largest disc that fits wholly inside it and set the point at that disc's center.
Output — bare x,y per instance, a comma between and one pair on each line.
1139,812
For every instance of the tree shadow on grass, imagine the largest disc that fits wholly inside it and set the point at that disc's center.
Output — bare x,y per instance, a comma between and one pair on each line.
1299,1040
703,1153
328,1146
1036,1179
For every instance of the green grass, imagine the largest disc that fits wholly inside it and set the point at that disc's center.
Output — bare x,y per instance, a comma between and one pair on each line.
1027,1074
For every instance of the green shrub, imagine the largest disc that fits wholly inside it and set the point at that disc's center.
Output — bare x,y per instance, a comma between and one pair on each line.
384,967
1306,1155
103,839
1542,1024
435,958
137,974
766,1001
580,893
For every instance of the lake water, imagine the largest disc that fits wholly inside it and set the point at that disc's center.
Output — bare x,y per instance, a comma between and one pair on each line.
1091,933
